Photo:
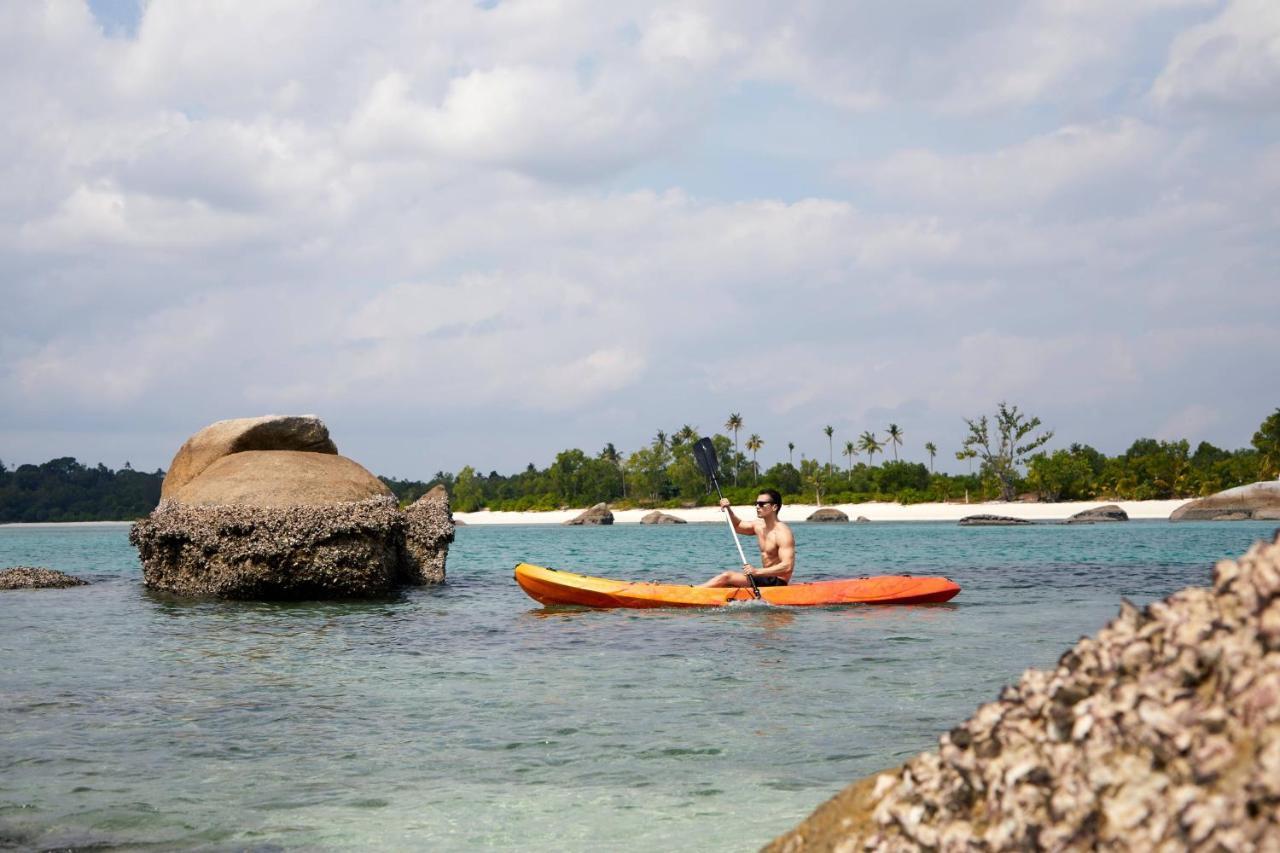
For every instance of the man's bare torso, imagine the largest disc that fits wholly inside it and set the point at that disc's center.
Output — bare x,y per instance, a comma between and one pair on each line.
770,541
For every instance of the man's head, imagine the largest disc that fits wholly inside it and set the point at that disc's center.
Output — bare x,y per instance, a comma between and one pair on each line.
768,501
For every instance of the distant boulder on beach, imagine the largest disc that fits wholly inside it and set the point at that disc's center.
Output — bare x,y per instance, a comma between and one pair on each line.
597,515
1109,512
991,521
657,517
265,508
827,514
1160,732
1254,502
35,577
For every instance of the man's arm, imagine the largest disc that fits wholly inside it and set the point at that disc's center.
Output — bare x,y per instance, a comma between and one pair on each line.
740,525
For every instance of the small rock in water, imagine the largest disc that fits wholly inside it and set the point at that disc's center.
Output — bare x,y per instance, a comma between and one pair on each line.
34,577
991,521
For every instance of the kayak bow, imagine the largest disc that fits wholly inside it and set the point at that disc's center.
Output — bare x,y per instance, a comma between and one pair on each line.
554,586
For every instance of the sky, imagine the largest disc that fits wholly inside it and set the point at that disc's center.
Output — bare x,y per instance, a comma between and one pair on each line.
481,233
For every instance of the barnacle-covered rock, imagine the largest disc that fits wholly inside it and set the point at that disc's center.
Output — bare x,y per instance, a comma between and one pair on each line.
1160,732
265,508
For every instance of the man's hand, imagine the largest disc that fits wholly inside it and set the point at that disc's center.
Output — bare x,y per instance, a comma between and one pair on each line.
724,503
748,569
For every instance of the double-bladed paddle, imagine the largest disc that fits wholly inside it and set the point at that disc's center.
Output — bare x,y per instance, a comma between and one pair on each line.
704,454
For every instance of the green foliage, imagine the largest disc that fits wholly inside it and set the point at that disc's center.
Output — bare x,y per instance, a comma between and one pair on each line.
1004,448
64,490
1267,442
664,474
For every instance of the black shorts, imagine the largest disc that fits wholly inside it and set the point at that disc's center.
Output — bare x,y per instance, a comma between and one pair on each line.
768,580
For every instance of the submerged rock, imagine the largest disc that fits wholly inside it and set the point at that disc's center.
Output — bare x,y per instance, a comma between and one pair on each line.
991,521
1257,501
598,514
862,519
657,517
827,514
1109,512
34,577
1162,731
280,522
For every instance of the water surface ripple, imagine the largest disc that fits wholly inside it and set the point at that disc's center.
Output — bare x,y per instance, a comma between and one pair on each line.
466,716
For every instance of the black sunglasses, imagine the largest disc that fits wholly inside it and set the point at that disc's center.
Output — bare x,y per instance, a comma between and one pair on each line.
764,503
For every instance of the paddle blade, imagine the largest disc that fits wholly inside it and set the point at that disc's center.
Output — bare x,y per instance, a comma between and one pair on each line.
704,455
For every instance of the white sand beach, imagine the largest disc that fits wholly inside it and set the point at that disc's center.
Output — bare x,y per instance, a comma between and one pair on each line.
870,511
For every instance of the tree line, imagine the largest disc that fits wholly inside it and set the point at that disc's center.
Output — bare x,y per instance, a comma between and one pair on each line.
64,490
1006,447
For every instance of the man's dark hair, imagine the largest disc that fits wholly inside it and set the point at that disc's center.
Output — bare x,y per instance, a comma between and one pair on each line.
773,496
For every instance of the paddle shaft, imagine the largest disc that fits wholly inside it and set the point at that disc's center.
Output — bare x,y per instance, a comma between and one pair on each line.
755,590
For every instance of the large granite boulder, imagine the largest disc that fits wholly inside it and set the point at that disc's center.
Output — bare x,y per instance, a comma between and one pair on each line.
986,520
305,433
33,577
286,523
1257,501
1109,512
827,514
598,514
1160,732
265,478
657,517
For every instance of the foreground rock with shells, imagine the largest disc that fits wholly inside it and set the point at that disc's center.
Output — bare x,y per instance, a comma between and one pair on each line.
1162,731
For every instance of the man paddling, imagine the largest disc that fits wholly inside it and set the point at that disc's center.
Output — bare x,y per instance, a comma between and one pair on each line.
777,545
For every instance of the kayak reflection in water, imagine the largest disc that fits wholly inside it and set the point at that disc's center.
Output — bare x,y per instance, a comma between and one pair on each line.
777,545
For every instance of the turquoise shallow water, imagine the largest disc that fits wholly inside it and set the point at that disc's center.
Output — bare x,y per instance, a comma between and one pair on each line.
466,716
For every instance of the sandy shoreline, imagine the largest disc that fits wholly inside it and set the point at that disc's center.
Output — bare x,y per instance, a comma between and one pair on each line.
1138,510
1145,510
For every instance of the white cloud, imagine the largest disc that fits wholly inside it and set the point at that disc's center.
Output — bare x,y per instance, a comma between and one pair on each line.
438,214
1229,63
1069,161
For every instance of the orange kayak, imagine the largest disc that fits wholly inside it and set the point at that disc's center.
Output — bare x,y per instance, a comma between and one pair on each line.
553,586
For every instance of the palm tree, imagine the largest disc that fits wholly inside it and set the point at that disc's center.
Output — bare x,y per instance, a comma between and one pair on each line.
850,451
791,453
831,456
611,455
932,450
685,435
870,445
660,440
734,423
895,439
968,453
754,443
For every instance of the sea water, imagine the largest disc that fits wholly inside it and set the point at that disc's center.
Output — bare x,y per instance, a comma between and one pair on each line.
466,716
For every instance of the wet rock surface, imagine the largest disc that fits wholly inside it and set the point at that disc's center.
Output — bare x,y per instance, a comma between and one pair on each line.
360,550
35,577
1109,512
991,521
598,514
657,517
1161,732
1257,501
828,514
